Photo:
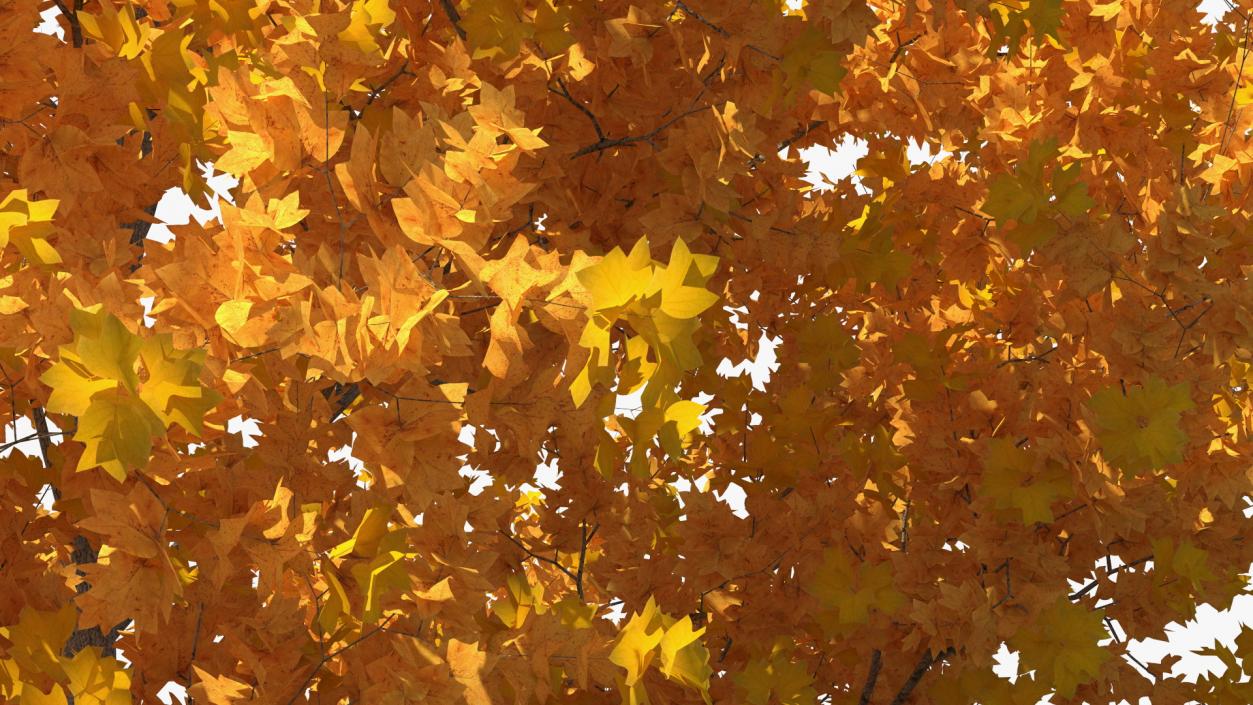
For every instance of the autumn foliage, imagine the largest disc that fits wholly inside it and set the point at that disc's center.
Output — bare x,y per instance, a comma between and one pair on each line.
477,245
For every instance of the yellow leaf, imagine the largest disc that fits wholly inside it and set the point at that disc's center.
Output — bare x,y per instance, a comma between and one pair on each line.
173,388
38,637
117,431
637,642
1011,481
97,679
28,224
684,657
617,278
232,315
336,604
121,32
365,540
1139,430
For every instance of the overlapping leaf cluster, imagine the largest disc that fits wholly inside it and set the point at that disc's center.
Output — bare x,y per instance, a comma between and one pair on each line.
453,403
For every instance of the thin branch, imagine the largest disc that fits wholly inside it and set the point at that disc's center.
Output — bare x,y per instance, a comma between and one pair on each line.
1094,582
453,16
536,556
1038,357
1231,107
901,47
45,436
376,92
565,93
76,31
330,185
801,133
323,661
603,144
23,439
924,664
687,10
578,582
867,691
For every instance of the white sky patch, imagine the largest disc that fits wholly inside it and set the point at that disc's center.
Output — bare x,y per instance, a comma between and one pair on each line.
1210,626
23,430
759,368
479,479
49,24
1213,10
177,208
921,154
734,497
249,430
172,693
829,165
147,302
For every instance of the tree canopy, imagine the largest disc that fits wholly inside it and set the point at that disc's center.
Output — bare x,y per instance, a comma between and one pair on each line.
479,287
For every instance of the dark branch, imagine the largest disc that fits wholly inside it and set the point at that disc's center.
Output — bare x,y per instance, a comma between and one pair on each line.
1093,583
867,691
603,144
453,16
924,664
565,93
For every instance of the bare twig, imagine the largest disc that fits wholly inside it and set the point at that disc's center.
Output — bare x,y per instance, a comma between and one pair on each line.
565,93
453,16
330,185
603,144
1093,583
924,664
328,657
576,576
687,10
867,691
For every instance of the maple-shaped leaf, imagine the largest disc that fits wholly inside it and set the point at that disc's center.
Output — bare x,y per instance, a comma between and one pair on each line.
495,28
172,389
635,648
651,634
36,641
776,675
97,380
618,278
1012,18
1011,481
1062,646
367,24
369,532
27,224
1022,202
661,305
684,657
98,680
523,599
1183,559
1138,428
120,31
851,591
128,522
217,689
813,62
869,254
117,430
383,575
